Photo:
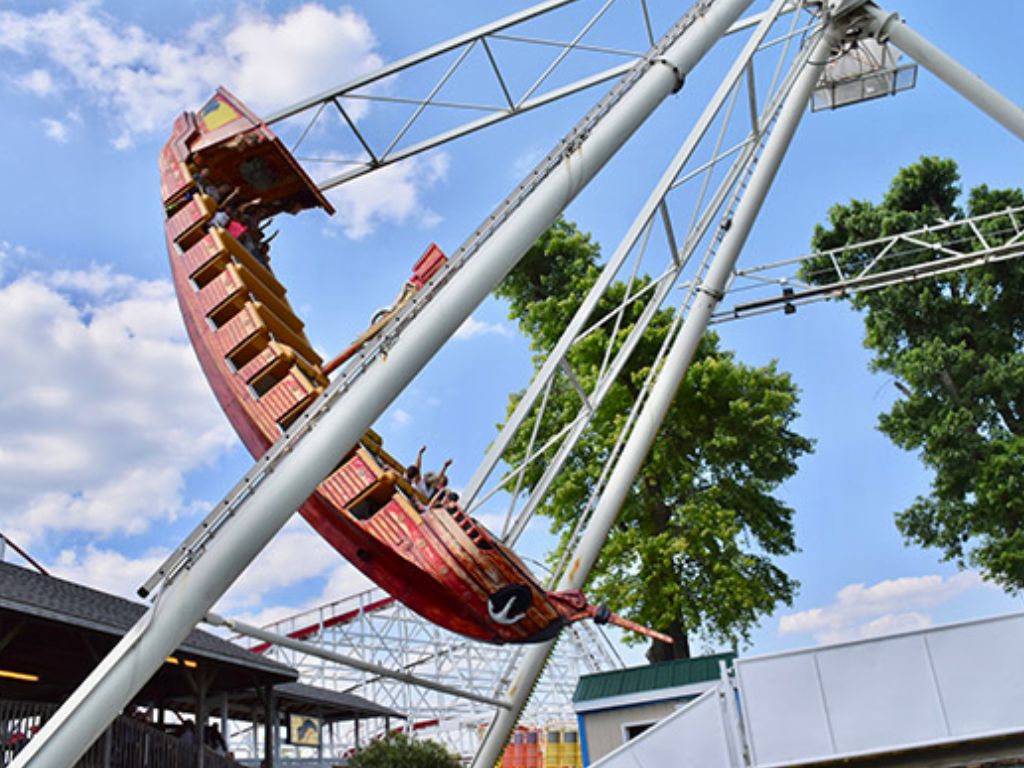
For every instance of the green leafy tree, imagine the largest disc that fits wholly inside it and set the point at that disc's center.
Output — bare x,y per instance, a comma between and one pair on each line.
403,752
954,345
692,552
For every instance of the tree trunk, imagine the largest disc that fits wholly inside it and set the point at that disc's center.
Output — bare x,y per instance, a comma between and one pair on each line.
661,518
678,649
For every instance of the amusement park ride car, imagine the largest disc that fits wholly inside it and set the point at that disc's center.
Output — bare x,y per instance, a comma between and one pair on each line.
223,172
428,553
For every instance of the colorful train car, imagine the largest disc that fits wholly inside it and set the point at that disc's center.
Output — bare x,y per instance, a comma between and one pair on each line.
556,745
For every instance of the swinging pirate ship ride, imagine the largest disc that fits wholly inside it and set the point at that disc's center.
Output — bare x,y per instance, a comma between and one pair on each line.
222,173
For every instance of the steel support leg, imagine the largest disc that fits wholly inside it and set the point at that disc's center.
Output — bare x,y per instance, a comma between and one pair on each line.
676,364
308,648
569,336
969,85
183,602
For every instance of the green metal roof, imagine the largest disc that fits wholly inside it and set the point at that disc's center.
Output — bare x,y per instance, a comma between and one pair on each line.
667,674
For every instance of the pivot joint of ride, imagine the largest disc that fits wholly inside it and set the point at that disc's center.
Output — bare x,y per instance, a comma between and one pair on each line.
849,21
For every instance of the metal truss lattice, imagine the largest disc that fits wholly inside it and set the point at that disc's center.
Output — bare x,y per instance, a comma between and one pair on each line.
527,60
668,248
373,627
947,246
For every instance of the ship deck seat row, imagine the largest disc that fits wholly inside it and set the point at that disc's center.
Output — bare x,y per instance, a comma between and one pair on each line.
261,339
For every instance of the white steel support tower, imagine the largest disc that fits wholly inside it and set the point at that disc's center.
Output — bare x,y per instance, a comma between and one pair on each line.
687,235
372,645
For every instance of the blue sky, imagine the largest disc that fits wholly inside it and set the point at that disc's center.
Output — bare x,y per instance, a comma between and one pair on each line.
111,446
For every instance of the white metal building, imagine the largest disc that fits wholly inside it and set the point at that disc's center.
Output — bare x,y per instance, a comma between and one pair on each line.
946,696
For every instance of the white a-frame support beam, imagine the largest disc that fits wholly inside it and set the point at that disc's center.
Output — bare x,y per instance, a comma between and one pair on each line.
886,27
295,472
670,377
310,649
892,28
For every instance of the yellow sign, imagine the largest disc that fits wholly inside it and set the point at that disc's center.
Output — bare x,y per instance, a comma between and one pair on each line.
303,730
216,113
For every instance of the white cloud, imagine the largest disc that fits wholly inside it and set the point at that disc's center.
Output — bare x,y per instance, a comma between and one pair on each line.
97,281
473,328
103,408
106,569
143,81
55,129
296,555
390,195
37,81
401,418
10,253
306,51
527,161
891,605
126,504
344,580
341,581
888,624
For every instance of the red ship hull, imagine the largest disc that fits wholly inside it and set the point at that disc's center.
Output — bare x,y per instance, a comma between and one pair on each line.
264,373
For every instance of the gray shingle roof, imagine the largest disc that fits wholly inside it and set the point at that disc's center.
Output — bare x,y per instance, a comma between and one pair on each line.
333,701
47,597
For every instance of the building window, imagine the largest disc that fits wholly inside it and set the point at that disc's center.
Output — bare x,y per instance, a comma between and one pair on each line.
632,730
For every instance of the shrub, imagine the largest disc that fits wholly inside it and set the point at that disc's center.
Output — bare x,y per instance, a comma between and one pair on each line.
403,752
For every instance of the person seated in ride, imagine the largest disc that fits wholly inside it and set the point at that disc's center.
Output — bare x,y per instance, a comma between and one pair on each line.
222,194
414,472
262,217
258,248
438,496
205,182
441,498
436,482
227,218
253,209
220,219
256,216
242,233
448,501
245,141
241,227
